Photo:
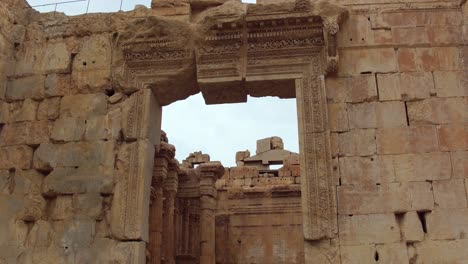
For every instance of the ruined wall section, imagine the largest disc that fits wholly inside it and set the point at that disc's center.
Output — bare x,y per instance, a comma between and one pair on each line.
69,144
398,113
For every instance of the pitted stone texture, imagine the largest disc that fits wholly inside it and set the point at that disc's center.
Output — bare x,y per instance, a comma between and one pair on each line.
354,89
75,154
92,65
413,139
450,193
357,142
58,85
25,133
31,87
18,111
84,105
49,109
68,129
16,157
375,114
438,111
368,229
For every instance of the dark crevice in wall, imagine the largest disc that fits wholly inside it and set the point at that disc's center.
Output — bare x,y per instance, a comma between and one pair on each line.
376,256
422,219
400,217
407,115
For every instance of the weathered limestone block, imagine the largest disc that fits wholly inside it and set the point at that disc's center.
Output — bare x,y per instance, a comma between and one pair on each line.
57,58
359,254
30,58
58,85
130,205
88,205
25,133
83,105
438,111
389,86
351,89
449,84
401,140
367,254
79,154
104,126
428,59
141,117
385,198
459,164
27,203
422,167
62,207
447,224
18,111
368,229
92,178
338,117
77,234
355,62
19,157
453,137
374,115
41,235
68,129
422,198
49,109
450,193
412,228
129,252
366,170
31,87
243,172
357,142
441,251
416,85
321,251
92,65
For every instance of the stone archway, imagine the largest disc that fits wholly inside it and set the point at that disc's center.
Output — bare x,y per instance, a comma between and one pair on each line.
232,52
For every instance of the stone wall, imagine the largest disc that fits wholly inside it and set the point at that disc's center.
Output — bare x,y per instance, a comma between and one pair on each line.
399,113
77,148
76,156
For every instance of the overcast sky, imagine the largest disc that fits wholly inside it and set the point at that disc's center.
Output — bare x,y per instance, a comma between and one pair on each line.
219,130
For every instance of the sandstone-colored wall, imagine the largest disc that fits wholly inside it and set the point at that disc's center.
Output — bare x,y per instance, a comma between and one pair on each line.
399,114
259,216
69,143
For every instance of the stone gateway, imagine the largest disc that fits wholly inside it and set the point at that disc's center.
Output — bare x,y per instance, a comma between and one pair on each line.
88,176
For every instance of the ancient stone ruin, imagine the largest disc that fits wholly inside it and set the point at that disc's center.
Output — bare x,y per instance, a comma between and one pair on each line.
87,176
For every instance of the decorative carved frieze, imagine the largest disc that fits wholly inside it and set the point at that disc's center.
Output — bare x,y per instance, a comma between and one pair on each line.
142,117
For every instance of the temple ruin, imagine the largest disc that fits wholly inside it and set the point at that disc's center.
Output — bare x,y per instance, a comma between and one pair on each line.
88,176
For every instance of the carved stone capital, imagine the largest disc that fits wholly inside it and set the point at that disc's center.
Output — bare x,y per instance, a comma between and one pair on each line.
331,25
212,170
167,151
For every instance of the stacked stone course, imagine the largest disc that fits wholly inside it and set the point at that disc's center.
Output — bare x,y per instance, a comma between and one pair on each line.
80,128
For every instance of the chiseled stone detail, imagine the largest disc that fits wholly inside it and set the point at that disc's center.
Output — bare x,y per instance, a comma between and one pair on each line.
130,205
141,117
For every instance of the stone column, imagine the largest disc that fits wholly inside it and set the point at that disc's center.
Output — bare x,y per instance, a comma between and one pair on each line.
171,185
209,173
160,172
